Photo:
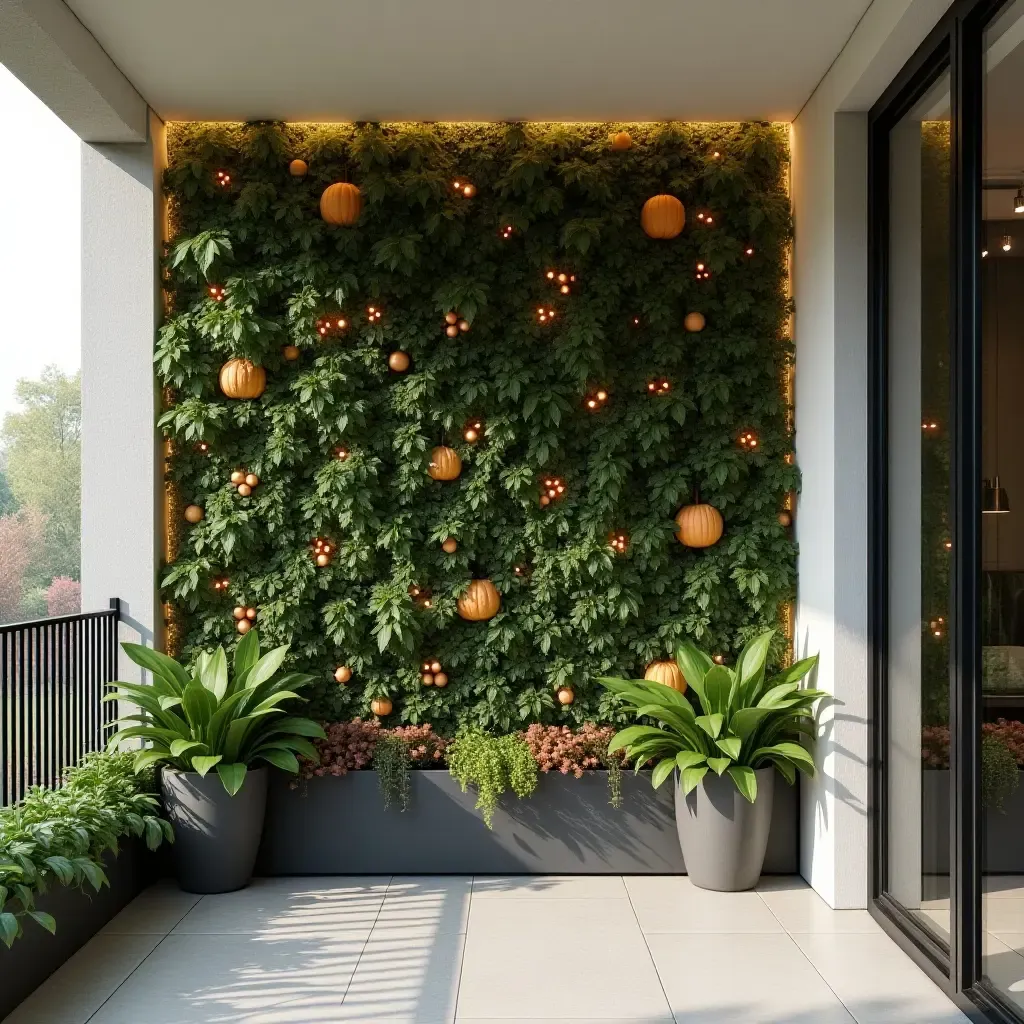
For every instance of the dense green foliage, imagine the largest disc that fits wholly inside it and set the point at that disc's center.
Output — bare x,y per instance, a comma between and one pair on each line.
216,716
492,765
420,250
62,834
742,719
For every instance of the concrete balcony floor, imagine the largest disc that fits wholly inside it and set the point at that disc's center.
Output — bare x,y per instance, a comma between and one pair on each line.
642,950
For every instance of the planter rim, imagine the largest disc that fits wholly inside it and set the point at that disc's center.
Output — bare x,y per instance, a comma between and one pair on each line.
179,771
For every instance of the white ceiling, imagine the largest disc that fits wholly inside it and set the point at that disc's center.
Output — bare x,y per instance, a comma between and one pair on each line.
473,59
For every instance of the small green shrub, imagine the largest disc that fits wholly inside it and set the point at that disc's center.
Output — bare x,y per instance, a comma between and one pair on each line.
492,764
63,833
998,773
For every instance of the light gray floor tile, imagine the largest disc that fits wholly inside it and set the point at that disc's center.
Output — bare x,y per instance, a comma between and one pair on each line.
562,918
425,906
1003,886
803,910
743,979
290,908
236,979
1004,966
672,903
666,1019
536,958
400,976
1003,915
548,887
79,987
154,911
877,982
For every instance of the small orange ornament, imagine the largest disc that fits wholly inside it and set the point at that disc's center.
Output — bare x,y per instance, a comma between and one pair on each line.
381,706
427,678
252,480
298,168
243,626
785,519
694,322
291,353
398,361
238,477
245,490
565,695
449,545
342,674
250,614
193,514
435,666
440,679
239,612
323,560
621,141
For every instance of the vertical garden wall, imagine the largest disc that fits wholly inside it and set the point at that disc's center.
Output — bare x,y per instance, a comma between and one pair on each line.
584,413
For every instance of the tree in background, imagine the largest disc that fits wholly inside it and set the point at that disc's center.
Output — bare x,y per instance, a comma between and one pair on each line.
8,503
63,596
43,454
21,538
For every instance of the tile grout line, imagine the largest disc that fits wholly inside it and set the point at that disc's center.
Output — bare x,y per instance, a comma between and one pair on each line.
465,946
362,950
647,946
163,937
789,935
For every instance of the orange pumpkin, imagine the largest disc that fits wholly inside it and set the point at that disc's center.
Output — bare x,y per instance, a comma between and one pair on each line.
480,601
341,203
700,526
663,217
297,168
445,464
240,378
667,672
621,141
381,706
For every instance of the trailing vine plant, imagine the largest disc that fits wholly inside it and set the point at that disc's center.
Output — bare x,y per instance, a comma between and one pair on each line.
340,440
391,761
492,765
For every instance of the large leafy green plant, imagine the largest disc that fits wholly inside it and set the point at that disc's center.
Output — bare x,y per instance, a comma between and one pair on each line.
62,834
213,717
745,721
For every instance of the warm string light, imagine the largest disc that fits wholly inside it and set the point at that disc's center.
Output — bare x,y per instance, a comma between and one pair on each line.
432,673
552,489
659,386
330,325
596,399
521,570
619,541
203,448
929,426
947,545
244,482
464,188
937,627
561,280
716,155
749,250
223,179
453,325
702,272
341,453
747,440
422,596
473,430
718,659
636,321
373,314
220,584
507,231
1007,243
216,292
545,314
323,551
705,218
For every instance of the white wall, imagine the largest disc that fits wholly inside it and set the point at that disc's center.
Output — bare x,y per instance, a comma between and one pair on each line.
830,289
122,471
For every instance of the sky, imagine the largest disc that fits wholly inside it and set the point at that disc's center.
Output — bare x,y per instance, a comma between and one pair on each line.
40,233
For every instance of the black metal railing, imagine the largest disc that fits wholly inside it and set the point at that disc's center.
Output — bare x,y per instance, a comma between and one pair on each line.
53,675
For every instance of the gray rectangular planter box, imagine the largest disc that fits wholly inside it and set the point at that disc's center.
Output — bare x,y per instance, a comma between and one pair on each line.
79,914
339,825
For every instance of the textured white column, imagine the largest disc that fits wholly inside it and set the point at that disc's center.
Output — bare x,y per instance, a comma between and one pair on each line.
121,467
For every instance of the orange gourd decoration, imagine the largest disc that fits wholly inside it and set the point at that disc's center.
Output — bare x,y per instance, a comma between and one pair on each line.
662,217
298,168
241,379
621,141
341,203
381,706
480,601
700,526
445,464
667,672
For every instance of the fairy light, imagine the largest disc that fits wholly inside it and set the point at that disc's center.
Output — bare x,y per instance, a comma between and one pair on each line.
937,627
749,250
552,489
341,453
545,314
596,399
203,448
323,551
330,325
636,321
948,545
216,292
223,179
702,272
562,280
705,218
520,570
220,584
373,314
473,431
506,232
929,426
619,541
422,596
660,386
747,440
465,188
718,659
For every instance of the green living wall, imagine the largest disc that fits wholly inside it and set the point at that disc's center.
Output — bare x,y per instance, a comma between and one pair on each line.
572,607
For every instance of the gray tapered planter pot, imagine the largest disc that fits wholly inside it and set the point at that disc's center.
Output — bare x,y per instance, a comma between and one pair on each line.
216,835
723,836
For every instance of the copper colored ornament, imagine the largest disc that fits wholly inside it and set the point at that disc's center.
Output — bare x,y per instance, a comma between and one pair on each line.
290,352
667,672
785,519
427,678
449,545
342,674
451,318
323,560
565,695
440,679
252,480
463,326
452,331
243,626
621,141
239,612
245,490
250,614
398,361
435,667
238,477
381,706
193,514
298,168
694,322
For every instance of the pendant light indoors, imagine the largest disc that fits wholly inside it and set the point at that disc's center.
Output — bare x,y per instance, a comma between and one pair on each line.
1007,243
994,498
1018,201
